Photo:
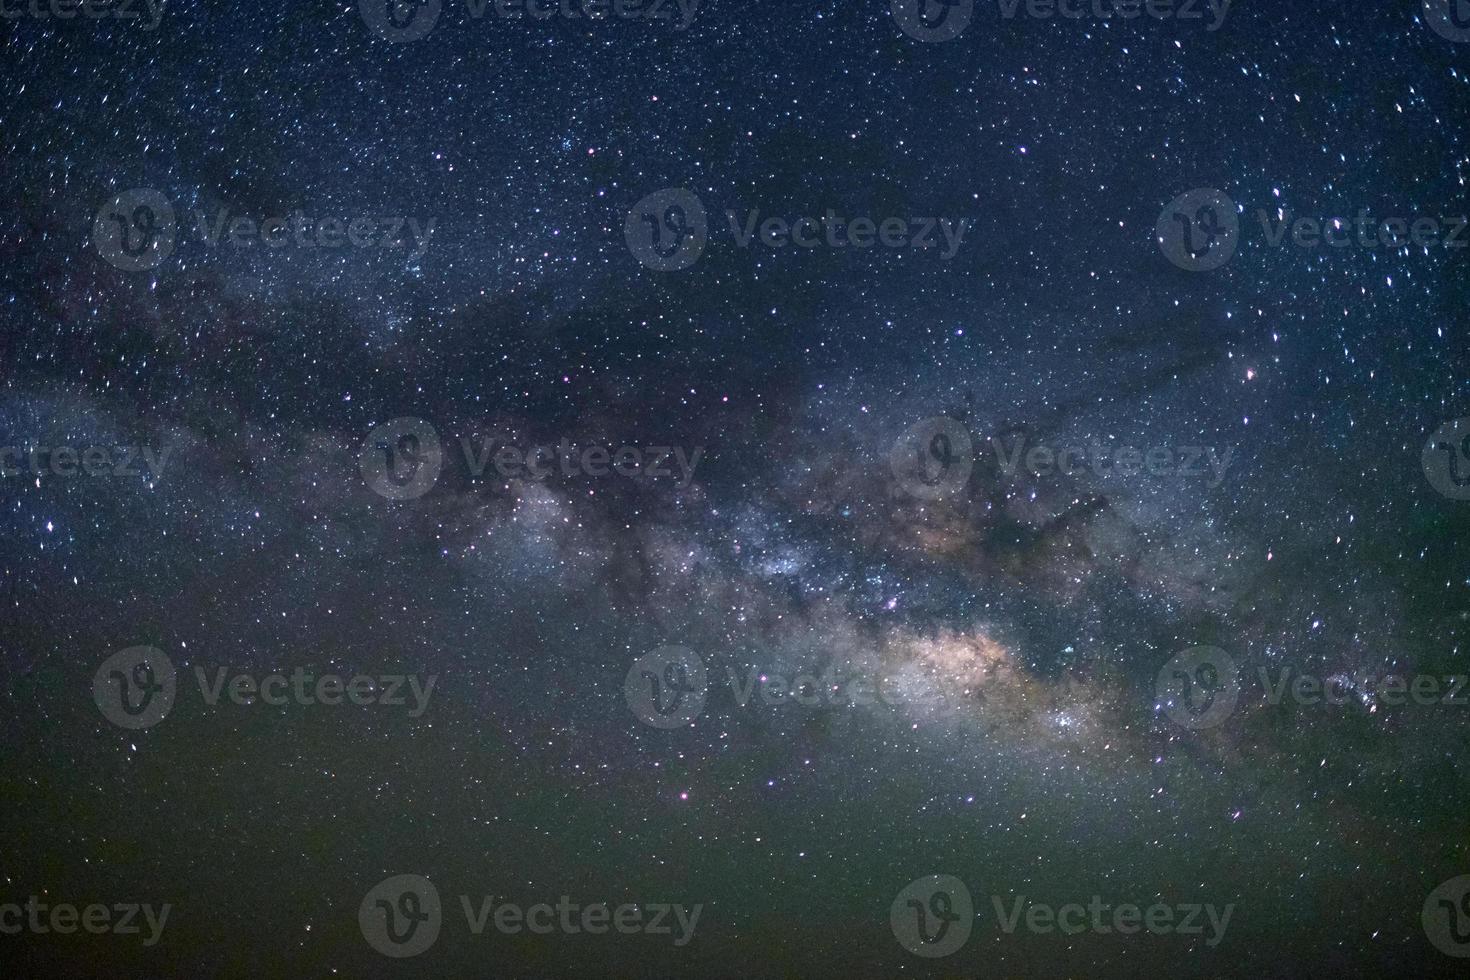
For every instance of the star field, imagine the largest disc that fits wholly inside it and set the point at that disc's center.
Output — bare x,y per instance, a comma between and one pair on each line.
441,237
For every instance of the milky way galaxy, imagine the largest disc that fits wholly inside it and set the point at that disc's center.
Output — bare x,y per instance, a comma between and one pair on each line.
923,488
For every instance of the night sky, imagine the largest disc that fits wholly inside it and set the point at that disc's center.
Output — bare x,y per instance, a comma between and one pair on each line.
458,351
